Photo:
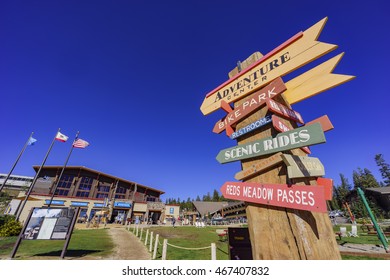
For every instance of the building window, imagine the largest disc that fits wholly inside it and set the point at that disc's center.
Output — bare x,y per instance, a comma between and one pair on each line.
84,187
64,185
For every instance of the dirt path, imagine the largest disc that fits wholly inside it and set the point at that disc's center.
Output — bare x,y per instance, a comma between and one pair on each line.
127,246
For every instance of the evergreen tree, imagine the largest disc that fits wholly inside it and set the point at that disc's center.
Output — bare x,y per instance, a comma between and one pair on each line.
364,179
197,198
207,197
384,168
342,191
216,196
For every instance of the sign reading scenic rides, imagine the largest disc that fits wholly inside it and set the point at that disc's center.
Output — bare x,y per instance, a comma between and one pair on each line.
250,104
303,166
296,138
301,197
294,53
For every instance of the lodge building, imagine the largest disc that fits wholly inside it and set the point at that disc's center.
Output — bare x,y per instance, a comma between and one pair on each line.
93,191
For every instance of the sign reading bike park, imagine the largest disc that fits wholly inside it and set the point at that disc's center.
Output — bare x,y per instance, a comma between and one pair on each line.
310,198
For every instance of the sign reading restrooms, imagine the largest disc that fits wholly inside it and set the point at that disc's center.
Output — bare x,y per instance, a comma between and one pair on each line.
273,139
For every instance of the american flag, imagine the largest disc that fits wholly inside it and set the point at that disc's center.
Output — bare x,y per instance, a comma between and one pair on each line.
80,143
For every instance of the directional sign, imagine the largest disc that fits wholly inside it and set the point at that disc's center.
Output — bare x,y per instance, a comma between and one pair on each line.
303,166
328,187
294,53
282,110
315,81
296,138
302,197
260,166
250,127
250,104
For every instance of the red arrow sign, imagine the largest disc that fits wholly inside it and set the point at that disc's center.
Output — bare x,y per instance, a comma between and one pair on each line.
301,197
249,105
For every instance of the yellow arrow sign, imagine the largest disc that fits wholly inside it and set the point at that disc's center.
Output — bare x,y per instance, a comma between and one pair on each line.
315,81
294,53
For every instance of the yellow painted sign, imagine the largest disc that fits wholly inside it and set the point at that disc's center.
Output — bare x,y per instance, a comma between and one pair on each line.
294,53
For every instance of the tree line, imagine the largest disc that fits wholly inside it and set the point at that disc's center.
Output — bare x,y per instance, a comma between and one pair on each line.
343,193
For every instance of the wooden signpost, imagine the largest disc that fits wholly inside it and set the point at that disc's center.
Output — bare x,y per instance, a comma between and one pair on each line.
303,166
286,208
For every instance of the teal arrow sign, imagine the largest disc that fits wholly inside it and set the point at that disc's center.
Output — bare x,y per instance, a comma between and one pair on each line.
296,138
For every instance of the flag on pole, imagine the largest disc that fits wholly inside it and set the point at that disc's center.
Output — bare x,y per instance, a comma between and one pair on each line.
61,137
80,143
31,141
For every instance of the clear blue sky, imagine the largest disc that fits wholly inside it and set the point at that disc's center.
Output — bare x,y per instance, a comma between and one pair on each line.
131,76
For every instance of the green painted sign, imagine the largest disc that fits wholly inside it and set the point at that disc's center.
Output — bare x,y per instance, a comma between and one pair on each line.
303,166
296,138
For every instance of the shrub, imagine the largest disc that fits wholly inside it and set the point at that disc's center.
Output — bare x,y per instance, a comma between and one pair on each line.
11,227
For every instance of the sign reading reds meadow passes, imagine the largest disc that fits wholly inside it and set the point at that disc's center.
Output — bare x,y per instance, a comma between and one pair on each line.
250,104
294,53
296,138
302,197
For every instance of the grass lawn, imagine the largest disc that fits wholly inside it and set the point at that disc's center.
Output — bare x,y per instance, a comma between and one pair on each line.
189,237
94,243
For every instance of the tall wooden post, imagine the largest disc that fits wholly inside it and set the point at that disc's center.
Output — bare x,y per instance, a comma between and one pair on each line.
279,233
286,225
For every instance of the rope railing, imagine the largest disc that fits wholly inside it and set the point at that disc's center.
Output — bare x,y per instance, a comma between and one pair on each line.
157,243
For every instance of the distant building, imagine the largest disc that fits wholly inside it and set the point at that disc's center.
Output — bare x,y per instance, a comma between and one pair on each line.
93,191
15,183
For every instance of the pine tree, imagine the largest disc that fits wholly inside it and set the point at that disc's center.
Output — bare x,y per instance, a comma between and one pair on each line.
384,168
342,191
216,196
364,179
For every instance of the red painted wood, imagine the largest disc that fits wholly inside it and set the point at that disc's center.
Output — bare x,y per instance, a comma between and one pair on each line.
226,107
282,110
250,104
328,187
324,121
302,197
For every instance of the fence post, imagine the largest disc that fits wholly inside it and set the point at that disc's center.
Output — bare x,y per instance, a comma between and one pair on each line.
136,232
151,242
140,236
155,247
164,250
213,251
146,237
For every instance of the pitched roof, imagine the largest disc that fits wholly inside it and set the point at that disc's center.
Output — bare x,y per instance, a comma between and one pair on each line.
381,190
206,207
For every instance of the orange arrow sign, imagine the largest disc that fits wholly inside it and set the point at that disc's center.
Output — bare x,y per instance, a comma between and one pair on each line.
294,53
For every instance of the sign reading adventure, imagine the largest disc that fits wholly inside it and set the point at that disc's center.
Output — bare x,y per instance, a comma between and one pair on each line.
250,104
250,127
303,166
296,138
294,53
302,197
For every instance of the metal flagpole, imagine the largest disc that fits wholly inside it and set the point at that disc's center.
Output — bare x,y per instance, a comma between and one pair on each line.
35,179
62,171
16,162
